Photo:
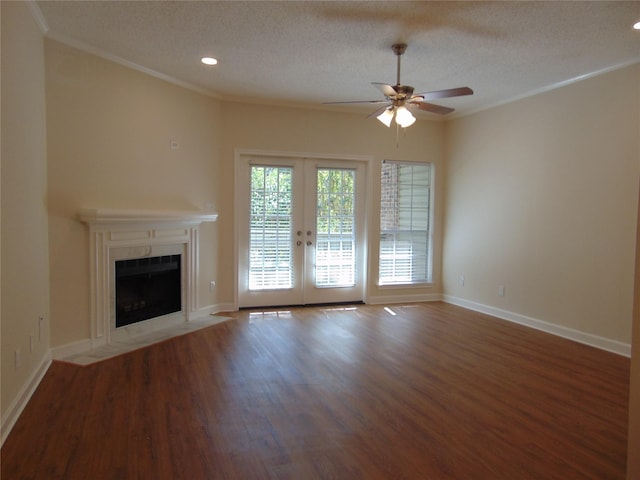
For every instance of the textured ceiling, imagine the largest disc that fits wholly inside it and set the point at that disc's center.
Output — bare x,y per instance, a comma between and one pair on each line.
312,52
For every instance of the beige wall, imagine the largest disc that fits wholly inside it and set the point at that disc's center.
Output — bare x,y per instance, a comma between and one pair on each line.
109,133
534,189
109,129
541,198
268,128
25,261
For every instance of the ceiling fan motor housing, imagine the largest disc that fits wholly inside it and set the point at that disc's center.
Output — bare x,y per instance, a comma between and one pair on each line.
403,91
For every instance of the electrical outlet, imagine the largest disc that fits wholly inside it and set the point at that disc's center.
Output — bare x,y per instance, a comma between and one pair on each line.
212,285
461,280
501,290
40,327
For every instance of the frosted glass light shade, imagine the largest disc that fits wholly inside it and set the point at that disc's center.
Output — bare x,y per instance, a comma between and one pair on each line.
386,117
404,118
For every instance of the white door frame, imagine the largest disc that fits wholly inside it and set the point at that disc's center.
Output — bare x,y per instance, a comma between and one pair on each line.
240,156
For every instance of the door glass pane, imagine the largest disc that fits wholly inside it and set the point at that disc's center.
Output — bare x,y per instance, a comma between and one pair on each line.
335,228
270,251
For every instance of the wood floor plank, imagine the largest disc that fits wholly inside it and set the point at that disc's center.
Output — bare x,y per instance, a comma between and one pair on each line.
420,391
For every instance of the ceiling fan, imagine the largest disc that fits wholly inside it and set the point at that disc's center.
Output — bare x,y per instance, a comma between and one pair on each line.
398,97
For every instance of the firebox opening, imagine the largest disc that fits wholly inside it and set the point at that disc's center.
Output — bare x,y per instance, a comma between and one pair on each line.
147,288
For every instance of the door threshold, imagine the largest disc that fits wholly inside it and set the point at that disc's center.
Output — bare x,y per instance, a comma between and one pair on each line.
304,305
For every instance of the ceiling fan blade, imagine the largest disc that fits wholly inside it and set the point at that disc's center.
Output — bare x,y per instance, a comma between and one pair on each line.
385,88
379,111
449,92
433,108
356,101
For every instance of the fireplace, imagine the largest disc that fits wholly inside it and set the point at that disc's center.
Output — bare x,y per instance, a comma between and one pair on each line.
143,270
147,288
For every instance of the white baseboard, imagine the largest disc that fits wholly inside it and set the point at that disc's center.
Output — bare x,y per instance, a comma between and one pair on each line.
20,402
576,335
620,348
411,298
73,348
602,343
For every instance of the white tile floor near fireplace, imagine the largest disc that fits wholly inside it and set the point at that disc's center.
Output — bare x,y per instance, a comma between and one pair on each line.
119,347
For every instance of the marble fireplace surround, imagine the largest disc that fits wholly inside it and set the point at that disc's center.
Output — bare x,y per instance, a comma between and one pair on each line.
119,234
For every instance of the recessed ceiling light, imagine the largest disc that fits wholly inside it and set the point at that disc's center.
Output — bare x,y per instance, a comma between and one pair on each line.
636,25
209,61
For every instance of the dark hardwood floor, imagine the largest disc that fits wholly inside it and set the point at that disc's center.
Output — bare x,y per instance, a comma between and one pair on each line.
424,391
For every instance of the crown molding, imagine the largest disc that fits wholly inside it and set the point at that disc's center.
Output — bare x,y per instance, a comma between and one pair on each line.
37,15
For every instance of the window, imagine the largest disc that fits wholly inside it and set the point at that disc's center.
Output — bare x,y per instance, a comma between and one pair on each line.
405,224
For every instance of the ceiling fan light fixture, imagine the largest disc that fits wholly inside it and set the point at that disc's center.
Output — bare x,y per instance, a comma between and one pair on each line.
636,25
209,61
404,118
398,95
386,116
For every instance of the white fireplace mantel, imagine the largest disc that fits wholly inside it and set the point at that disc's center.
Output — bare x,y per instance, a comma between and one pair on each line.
139,232
97,216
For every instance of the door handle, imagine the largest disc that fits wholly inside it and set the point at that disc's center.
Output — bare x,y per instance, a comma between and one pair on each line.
309,242
308,232
299,242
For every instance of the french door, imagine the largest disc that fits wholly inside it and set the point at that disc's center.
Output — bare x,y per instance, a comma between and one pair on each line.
300,225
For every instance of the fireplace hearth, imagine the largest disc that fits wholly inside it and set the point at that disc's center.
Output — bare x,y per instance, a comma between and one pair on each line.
147,288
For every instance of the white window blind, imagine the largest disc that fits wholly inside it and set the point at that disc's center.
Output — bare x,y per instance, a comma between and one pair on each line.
270,255
405,219
335,225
